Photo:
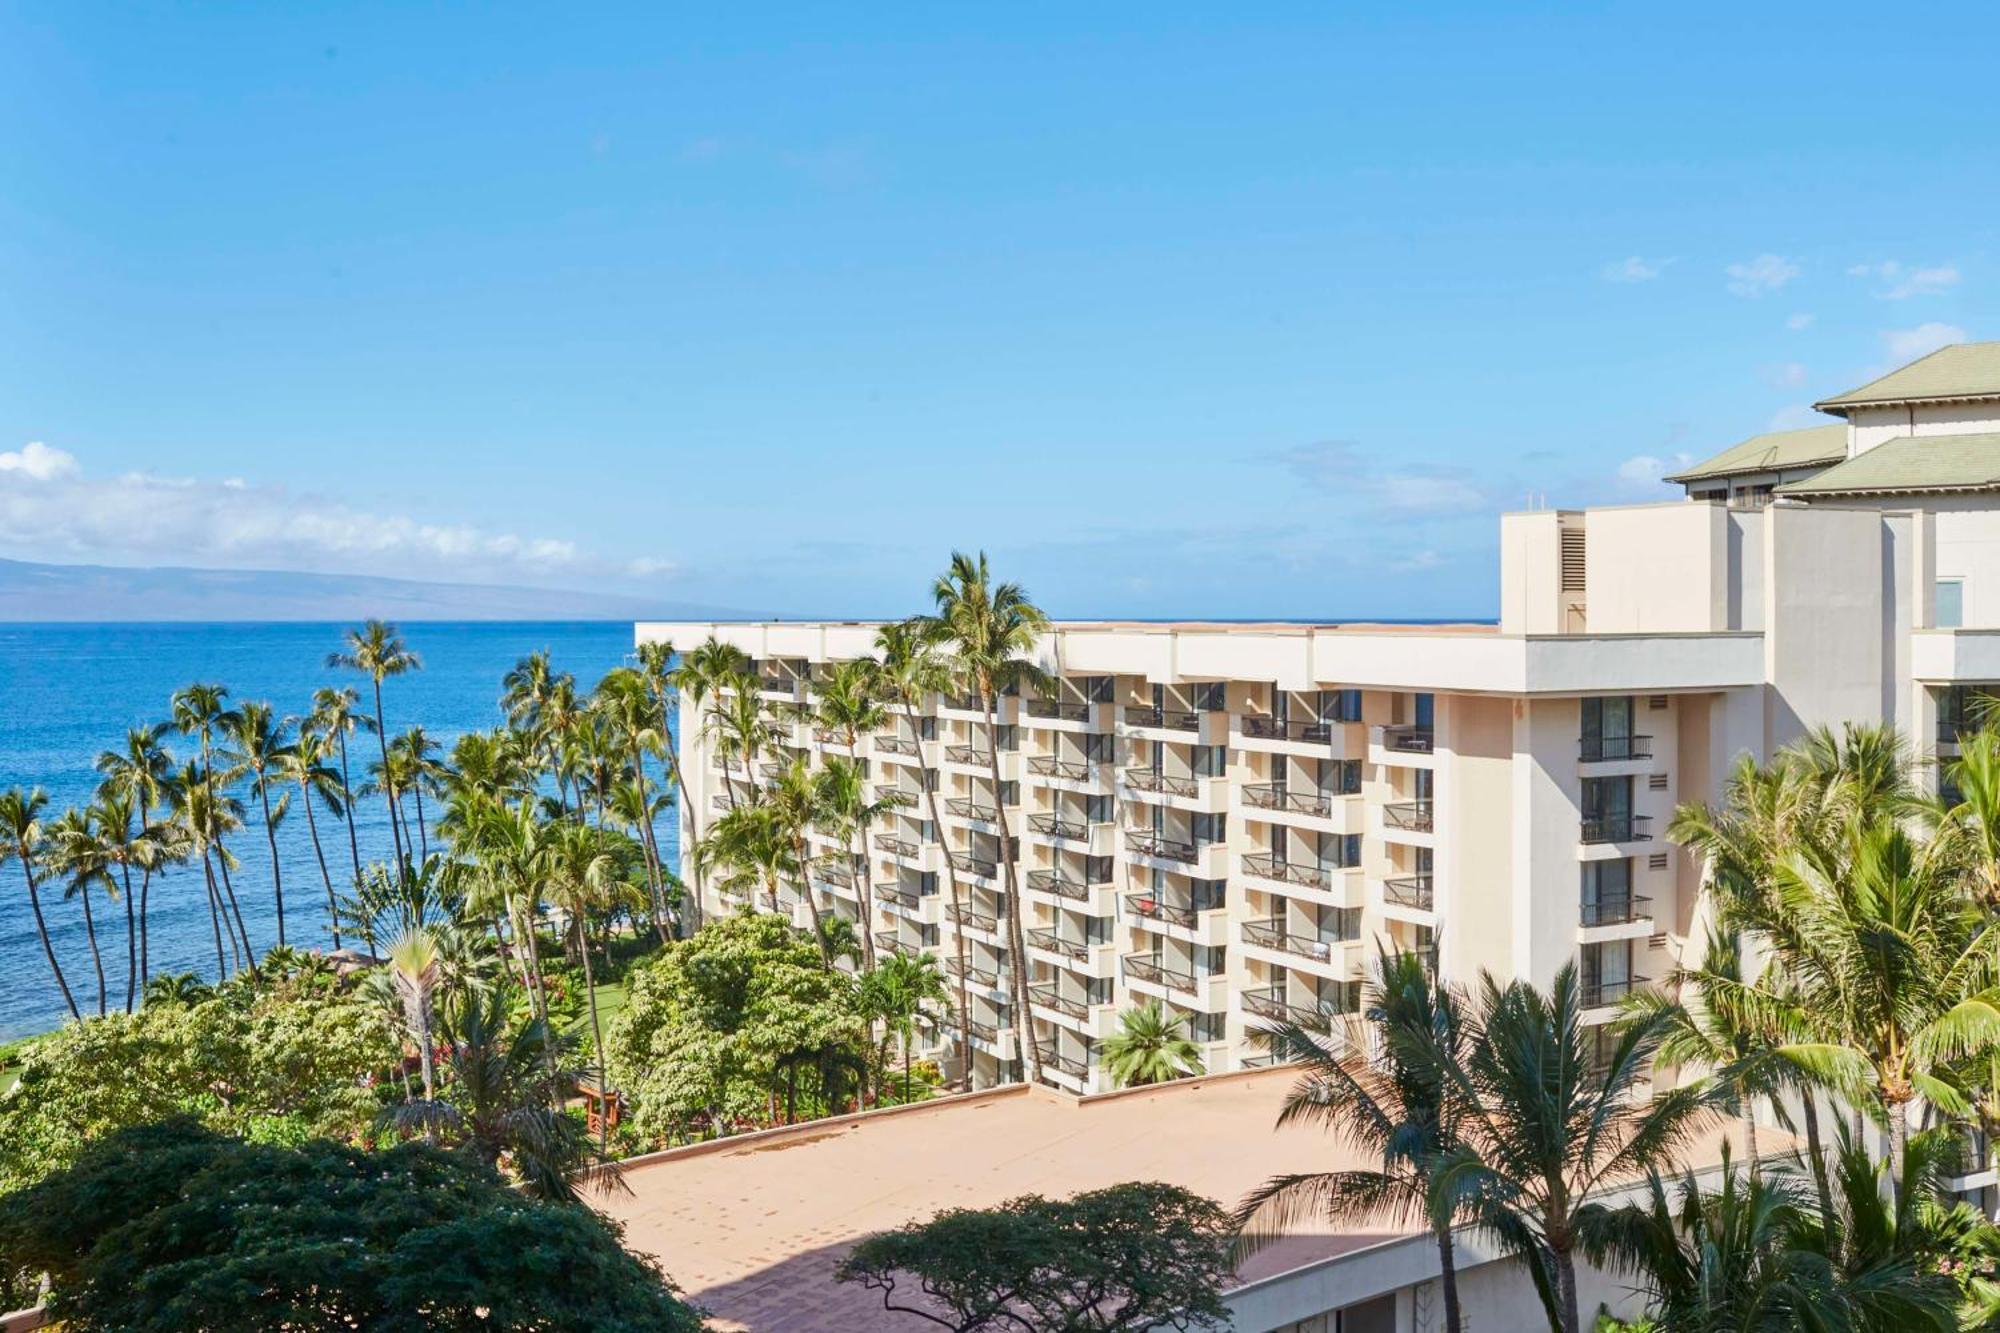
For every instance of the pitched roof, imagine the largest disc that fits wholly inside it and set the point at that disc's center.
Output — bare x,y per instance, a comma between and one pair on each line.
1772,452
1911,463
1962,370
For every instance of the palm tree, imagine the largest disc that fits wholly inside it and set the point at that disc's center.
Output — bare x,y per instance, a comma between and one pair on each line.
663,679
742,732
175,990
991,629
21,839
752,849
584,874
905,991
913,669
257,747
702,676
1542,1125
504,1089
417,770
797,804
205,817
414,966
1972,824
76,854
847,812
378,652
1394,1110
201,710
304,763
1150,1047
627,702
139,773
333,714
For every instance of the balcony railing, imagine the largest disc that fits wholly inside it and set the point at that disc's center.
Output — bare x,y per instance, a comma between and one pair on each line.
984,976
722,801
1065,709
1172,719
1050,996
1288,872
1053,1058
896,893
1057,883
1276,796
1602,749
1409,740
895,846
896,745
1153,967
888,941
1055,826
1617,911
1617,828
1271,1003
778,683
1276,729
827,737
966,808
835,872
965,754
965,915
986,1032
1048,766
1149,907
964,703
1148,843
1414,891
1047,939
973,865
1411,816
1272,933
1145,779
1597,992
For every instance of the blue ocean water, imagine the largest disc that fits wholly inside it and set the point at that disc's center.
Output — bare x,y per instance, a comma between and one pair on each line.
68,692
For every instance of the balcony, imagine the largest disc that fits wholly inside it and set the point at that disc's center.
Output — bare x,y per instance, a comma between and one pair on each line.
1151,967
722,802
902,897
1047,939
1145,779
1276,796
1064,1064
1617,828
1147,843
970,755
1061,709
1055,826
1149,907
1410,816
969,702
1271,933
778,683
1409,740
965,915
1170,719
1271,1003
969,864
1058,884
895,846
1281,729
1265,866
1048,766
1610,749
1412,891
964,807
1050,996
1617,911
834,872
896,745
982,976
1599,991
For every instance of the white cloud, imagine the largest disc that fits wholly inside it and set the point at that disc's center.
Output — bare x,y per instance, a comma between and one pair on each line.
1785,375
1905,281
1407,490
1765,273
1416,562
1796,417
50,508
1633,269
1641,471
1798,322
1909,344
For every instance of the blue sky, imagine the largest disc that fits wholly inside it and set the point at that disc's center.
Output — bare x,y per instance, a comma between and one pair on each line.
1176,310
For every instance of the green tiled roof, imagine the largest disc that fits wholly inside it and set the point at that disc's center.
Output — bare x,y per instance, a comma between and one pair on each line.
1963,370
1769,453
1911,463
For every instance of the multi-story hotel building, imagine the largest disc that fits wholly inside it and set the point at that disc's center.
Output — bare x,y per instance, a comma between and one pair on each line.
1226,817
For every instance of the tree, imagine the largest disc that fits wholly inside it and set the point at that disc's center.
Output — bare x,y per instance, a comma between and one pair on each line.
202,711
753,849
658,669
626,699
257,747
1150,1047
1133,1256
83,861
1542,1126
139,774
583,873
378,652
847,812
991,628
904,991
305,764
797,802
1394,1110
21,839
334,714
414,966
171,1226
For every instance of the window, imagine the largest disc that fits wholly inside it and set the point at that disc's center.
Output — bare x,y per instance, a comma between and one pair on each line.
1010,738
931,776
927,728
1950,612
1340,705
1425,712
1607,972
1607,799
1211,696
927,936
1097,870
1097,689
1607,728
1340,850
1607,889
1210,960
1339,923
1097,930
927,832
1211,761
1211,827
1206,1027
1097,747
1010,793
1346,776
1205,895
1097,990
1097,809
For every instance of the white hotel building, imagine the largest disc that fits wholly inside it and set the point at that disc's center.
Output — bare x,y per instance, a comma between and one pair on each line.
1224,817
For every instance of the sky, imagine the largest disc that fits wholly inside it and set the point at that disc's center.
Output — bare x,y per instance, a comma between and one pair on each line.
1175,310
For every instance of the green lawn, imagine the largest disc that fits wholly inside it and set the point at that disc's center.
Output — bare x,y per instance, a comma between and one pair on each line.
610,1003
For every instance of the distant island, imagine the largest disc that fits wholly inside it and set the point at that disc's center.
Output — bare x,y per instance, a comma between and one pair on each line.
31,591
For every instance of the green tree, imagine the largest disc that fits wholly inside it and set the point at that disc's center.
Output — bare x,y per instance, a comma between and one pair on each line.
256,745
307,764
583,873
1150,1047
138,773
84,863
905,992
22,839
378,652
1133,1256
335,713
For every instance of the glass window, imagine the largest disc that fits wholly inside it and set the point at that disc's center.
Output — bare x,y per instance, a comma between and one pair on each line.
1206,1027
1097,809
1097,689
1950,604
1010,738
1211,827
1211,761
1210,959
1010,793
1096,929
1425,712
1340,705
1607,798
927,883
1097,870
1211,696
1607,881
1207,894
1097,747
1608,722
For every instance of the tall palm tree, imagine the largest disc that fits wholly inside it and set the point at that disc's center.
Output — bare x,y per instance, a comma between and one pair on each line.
742,732
417,768
701,676
202,711
1972,823
124,843
633,808
797,803
140,772
503,1094
627,704
849,813
1149,1047
905,991
1542,1126
305,763
378,652
334,713
22,839
662,676
991,629
850,705
913,669
76,854
256,746
206,817
584,875
1394,1110
751,849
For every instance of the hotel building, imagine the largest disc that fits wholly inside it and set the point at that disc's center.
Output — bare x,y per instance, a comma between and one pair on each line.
1226,817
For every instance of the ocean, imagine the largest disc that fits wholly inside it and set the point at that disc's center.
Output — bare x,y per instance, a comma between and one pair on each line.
69,691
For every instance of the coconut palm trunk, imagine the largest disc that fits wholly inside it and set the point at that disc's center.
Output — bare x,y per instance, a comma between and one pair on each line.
867,872
271,840
319,854
90,933
347,802
235,910
388,787
215,918
1017,945
597,1036
131,939
685,813
812,900
42,929
145,892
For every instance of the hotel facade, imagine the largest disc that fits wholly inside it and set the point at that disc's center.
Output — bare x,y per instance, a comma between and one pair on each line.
1225,818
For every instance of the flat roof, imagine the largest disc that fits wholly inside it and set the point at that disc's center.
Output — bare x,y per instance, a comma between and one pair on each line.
1962,370
752,1227
1775,451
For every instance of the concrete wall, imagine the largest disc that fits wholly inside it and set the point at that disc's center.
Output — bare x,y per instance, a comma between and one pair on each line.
1832,606
1474,854
1530,573
1653,569
1870,426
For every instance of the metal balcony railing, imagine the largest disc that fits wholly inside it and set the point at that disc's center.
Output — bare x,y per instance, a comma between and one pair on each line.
1409,740
1599,991
966,915
721,801
1171,719
1617,828
964,703
777,683
1410,816
1066,710
1147,843
896,893
895,846
1604,749
1050,996
1271,1003
1057,883
1275,729
1052,1058
1410,891
1048,766
1154,968
966,754
888,941
966,863
1265,866
1276,796
1148,907
986,1032
984,976
896,745
1043,937
1055,826
964,807
1617,911
1145,779
834,872
1272,933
